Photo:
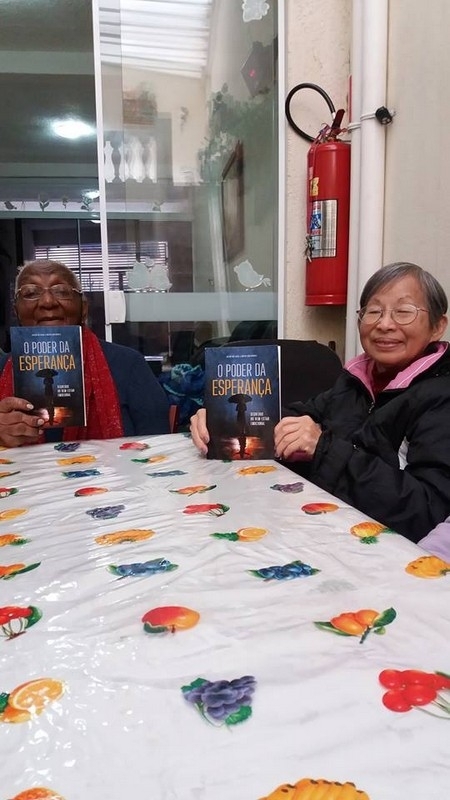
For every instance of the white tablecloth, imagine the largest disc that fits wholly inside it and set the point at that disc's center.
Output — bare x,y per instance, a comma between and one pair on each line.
114,720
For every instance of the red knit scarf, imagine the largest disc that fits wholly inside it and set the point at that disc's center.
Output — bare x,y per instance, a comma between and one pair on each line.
104,420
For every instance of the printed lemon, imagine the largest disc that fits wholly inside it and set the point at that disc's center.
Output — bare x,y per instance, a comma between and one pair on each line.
12,513
34,695
38,793
256,470
251,534
69,460
428,567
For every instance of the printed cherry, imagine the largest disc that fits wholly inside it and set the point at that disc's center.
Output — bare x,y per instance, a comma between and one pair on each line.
395,700
391,678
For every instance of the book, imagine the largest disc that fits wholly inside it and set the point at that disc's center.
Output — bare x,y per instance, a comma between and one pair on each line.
47,364
242,400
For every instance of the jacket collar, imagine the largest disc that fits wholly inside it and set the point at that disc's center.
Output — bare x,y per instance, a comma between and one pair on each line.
361,367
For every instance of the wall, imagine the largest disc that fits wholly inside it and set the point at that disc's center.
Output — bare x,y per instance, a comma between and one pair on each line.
417,201
318,35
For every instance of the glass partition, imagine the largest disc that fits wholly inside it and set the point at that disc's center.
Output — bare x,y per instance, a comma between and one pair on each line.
189,175
166,202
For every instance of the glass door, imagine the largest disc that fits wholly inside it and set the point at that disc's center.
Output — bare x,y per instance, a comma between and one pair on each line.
187,114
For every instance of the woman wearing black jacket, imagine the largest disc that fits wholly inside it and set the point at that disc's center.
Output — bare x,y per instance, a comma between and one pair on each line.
380,438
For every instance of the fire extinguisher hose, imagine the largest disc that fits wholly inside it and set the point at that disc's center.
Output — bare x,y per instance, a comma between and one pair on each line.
287,109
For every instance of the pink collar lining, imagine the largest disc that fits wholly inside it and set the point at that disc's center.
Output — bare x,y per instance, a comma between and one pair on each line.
361,367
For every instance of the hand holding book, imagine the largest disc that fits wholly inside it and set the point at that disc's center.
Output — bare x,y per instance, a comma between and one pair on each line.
18,426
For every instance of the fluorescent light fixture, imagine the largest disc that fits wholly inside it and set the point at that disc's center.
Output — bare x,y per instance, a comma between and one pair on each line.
72,128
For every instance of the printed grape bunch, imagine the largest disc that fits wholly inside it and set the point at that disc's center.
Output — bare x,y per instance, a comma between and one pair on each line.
284,572
106,512
222,702
142,568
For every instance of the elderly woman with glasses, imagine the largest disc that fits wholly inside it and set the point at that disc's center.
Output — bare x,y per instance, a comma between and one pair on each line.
123,397
380,438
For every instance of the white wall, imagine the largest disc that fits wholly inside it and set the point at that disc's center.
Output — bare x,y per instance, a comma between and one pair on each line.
417,201
318,51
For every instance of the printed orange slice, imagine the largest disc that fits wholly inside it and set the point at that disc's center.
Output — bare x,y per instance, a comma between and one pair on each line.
38,793
123,537
14,715
251,534
368,531
34,695
12,513
428,567
319,508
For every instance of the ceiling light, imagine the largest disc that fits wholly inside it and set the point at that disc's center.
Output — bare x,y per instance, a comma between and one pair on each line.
72,128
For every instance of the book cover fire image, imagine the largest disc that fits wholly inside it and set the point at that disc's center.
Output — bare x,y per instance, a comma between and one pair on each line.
242,400
48,372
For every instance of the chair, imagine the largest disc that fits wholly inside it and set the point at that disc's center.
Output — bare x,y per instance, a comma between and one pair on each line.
174,413
307,367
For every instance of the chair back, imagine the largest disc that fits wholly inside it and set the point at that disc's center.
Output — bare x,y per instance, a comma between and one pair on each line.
174,414
307,367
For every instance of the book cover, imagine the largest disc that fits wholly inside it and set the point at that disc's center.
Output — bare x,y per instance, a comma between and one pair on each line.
242,400
48,372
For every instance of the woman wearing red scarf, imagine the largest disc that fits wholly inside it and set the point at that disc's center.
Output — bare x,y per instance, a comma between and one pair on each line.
123,397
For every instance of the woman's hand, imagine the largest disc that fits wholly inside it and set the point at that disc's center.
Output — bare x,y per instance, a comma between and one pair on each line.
199,431
296,438
16,426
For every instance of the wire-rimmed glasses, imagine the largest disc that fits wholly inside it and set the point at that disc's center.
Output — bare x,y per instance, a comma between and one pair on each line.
401,315
30,292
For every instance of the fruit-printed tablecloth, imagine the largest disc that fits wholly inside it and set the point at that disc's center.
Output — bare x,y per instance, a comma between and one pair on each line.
173,628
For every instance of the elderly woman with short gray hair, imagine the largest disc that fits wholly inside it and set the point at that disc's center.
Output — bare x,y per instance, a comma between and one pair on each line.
380,438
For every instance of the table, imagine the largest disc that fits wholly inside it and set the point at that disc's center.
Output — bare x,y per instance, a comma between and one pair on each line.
91,704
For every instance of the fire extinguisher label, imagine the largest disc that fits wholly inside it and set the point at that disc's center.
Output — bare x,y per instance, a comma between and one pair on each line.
314,187
323,229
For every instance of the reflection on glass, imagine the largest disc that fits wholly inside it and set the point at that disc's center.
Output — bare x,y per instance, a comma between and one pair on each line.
190,148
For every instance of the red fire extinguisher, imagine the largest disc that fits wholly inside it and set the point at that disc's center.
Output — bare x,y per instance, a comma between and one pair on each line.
328,208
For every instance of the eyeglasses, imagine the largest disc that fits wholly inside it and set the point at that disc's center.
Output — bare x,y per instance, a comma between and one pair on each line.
402,315
30,293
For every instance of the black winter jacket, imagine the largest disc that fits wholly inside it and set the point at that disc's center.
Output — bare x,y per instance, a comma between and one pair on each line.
357,456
